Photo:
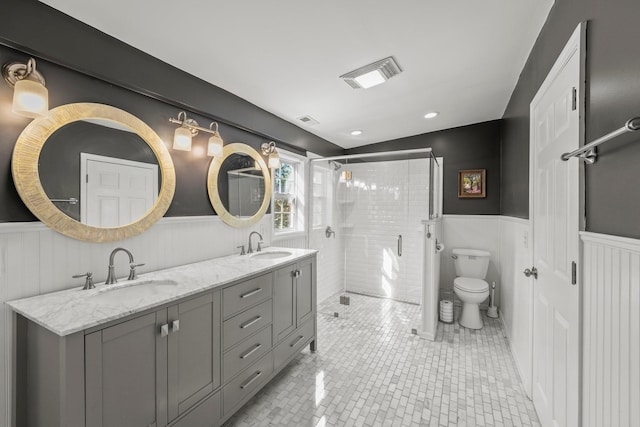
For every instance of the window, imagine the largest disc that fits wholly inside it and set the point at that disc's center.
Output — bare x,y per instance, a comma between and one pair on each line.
288,194
322,196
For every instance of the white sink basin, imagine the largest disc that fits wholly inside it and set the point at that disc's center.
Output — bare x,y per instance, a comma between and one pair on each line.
271,254
134,290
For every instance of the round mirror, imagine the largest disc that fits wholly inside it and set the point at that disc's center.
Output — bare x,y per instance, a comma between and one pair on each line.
93,172
239,185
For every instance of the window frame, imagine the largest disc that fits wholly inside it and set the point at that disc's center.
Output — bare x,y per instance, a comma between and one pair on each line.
299,213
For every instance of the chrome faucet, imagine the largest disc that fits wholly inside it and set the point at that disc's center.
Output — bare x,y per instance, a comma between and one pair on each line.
111,276
250,250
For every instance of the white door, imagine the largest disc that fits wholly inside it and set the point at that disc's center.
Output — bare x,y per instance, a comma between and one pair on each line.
116,192
555,129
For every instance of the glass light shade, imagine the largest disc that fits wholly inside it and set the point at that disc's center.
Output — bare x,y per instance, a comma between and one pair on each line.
30,99
274,160
182,139
215,145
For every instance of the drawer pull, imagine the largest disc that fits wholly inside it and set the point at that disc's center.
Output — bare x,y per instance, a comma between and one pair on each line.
175,326
251,322
248,383
252,293
250,352
295,343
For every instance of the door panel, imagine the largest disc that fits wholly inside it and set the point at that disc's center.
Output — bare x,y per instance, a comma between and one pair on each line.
555,130
194,362
284,317
126,374
304,292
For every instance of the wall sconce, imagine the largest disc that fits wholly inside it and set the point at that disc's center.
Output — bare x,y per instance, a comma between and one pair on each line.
189,128
269,149
214,148
30,96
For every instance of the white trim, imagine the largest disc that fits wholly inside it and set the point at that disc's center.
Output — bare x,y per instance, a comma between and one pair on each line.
286,235
515,220
22,227
626,243
475,217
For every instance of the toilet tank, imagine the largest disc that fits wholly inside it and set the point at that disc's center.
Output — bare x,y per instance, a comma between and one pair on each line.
471,262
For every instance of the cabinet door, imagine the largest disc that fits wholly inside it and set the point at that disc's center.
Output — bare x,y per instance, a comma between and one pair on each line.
305,291
126,374
194,351
284,317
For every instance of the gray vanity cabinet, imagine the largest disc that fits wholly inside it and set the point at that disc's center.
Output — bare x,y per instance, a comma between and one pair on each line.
189,363
126,374
294,298
149,370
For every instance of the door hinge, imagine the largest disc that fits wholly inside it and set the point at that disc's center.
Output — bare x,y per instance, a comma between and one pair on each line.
574,273
574,99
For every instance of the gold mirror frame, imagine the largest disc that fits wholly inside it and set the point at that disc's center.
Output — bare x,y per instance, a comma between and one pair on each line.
212,185
24,166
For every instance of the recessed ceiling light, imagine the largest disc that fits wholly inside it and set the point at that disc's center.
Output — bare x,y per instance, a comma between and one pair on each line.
372,74
431,115
356,132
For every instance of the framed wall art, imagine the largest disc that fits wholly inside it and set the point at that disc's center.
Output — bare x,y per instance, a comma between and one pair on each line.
472,183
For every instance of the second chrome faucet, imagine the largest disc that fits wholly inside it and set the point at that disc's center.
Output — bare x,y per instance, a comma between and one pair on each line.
111,275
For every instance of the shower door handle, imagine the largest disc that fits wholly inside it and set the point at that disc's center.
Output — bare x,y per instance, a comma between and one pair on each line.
399,244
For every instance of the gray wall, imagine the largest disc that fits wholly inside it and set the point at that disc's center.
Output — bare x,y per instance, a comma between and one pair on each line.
468,147
75,59
612,97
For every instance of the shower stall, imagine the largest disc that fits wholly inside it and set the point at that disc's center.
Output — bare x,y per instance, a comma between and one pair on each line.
367,222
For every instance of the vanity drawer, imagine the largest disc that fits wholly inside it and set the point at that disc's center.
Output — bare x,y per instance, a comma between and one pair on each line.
293,343
246,383
246,323
238,297
245,353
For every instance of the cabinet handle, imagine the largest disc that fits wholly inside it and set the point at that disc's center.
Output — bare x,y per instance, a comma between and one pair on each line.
295,343
175,326
248,383
250,352
253,292
164,330
250,322
399,244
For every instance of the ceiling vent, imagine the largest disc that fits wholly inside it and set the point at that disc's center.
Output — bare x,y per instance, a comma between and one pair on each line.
372,74
308,120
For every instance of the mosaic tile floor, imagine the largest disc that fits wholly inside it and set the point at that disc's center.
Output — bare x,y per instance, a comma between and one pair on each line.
371,371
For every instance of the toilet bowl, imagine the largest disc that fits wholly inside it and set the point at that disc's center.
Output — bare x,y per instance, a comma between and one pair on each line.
471,268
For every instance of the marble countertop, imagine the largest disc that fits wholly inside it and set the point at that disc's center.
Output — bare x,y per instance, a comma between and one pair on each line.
73,310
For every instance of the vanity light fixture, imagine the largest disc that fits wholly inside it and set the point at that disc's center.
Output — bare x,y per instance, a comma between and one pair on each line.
269,149
372,74
189,128
30,96
214,148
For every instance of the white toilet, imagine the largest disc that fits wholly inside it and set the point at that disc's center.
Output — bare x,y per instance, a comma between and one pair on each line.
471,268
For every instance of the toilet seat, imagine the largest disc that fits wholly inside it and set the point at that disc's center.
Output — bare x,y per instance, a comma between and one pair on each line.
470,284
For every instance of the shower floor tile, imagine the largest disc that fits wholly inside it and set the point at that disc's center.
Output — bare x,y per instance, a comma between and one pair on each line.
370,370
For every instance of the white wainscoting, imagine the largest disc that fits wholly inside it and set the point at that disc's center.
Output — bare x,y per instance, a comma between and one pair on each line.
36,260
611,331
516,293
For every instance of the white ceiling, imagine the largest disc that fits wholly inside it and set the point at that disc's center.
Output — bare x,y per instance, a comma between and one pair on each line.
461,58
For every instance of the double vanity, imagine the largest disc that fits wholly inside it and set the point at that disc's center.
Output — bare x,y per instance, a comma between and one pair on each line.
185,346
